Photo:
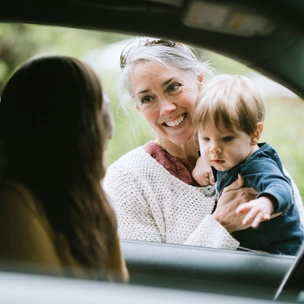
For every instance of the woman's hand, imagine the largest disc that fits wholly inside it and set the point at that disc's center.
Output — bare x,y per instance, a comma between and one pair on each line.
233,196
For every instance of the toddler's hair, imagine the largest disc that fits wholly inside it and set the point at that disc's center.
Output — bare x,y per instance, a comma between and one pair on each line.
232,100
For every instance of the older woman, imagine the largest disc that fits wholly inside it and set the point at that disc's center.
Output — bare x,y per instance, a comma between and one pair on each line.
154,194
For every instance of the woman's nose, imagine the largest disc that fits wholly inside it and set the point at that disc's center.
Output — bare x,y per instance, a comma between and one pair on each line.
166,107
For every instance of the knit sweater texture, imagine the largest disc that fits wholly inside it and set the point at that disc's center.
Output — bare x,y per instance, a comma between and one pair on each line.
153,205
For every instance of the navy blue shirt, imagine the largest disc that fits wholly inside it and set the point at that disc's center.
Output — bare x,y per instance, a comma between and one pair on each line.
264,172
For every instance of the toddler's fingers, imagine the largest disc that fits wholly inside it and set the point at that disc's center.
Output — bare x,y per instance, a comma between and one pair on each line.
212,180
204,181
257,220
266,217
250,216
243,208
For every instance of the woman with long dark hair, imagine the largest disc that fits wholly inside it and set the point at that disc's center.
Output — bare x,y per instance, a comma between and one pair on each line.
53,210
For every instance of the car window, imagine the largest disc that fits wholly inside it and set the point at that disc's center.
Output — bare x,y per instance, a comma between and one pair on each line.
102,49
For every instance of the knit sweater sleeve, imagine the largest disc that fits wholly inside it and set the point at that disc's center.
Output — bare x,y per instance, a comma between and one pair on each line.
135,219
210,233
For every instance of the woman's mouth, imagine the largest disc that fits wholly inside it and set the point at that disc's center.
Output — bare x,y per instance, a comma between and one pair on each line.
176,122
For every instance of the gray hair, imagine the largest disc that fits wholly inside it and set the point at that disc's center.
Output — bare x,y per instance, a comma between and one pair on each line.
178,55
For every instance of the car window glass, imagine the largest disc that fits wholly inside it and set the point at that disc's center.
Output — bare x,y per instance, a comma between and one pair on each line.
101,49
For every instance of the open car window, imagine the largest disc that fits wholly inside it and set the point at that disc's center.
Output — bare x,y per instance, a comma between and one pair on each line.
102,50
268,37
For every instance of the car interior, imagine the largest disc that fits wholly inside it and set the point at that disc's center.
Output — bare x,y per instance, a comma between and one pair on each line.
266,36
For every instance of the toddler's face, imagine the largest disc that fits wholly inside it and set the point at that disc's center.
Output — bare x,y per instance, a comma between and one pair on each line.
223,148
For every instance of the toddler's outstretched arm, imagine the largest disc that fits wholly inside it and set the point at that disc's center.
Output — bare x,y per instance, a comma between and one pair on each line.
257,210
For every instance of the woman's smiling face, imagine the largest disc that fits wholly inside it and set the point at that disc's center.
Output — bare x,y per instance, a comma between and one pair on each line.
165,96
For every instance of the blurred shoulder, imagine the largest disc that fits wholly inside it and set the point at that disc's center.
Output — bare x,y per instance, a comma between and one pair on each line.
16,196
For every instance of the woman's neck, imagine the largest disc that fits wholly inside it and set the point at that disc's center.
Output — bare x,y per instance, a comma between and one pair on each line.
188,151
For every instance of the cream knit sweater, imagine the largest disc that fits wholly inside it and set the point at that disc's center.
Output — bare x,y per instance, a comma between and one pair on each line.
153,205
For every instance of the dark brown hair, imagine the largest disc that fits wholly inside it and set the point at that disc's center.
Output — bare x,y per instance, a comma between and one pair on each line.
52,140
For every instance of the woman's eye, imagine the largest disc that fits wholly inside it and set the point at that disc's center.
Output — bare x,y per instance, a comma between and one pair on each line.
146,99
206,139
173,87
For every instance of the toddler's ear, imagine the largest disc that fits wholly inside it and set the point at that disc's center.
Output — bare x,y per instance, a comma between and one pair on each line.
257,134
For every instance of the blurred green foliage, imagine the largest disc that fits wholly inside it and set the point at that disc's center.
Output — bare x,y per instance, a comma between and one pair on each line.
18,42
284,130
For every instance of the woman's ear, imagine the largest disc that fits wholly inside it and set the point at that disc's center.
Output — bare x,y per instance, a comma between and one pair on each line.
257,134
200,79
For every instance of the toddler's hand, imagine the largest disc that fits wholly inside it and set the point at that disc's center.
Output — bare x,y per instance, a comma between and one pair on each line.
202,173
257,210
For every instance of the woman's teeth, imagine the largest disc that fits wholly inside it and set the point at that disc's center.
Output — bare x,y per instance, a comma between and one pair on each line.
176,122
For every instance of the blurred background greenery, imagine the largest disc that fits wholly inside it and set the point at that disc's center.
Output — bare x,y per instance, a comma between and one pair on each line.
285,111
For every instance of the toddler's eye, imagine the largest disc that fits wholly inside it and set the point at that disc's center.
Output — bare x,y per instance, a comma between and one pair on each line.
228,138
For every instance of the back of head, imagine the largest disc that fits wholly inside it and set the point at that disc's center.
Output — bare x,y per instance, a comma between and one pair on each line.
52,137
49,106
232,100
